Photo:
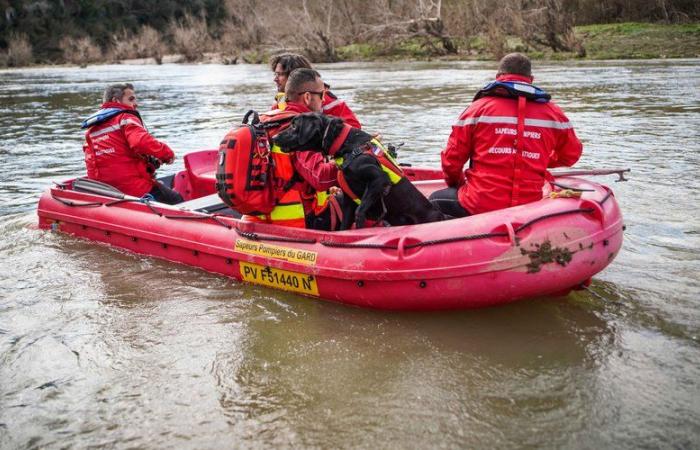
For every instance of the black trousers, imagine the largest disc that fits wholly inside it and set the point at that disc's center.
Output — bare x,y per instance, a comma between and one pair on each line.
162,193
446,201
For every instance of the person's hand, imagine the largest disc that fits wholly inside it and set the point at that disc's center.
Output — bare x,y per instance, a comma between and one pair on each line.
334,190
152,164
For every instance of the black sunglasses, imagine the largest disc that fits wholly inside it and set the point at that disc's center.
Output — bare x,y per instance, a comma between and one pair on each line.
321,94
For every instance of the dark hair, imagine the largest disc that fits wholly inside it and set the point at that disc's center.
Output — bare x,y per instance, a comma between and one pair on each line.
289,62
515,63
298,80
115,90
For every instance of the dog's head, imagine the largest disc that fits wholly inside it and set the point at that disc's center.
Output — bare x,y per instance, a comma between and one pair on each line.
309,131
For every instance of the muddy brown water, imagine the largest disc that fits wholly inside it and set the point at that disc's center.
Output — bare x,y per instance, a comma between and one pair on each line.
101,348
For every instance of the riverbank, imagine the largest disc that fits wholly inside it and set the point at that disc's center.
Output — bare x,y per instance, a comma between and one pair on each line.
630,40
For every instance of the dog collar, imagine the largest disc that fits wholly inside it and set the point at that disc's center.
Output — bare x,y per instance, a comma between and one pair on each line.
338,141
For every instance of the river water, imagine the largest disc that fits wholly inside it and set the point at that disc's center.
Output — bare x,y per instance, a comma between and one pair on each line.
100,348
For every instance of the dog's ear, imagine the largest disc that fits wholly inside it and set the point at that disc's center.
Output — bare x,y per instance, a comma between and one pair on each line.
310,129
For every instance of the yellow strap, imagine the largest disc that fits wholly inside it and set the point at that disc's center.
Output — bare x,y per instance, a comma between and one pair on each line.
321,198
285,212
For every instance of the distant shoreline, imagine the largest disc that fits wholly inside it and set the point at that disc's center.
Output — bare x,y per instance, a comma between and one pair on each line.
621,41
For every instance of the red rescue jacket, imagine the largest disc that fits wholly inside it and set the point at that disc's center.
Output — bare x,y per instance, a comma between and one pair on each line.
503,172
113,150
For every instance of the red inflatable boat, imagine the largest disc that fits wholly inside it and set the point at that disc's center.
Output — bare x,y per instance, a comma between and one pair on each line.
543,248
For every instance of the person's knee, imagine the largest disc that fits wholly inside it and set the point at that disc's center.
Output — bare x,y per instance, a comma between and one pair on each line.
164,194
447,201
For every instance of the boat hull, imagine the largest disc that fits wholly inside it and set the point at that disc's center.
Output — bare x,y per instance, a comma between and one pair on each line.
540,249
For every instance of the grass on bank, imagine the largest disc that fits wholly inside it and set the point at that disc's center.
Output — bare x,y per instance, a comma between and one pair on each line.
630,40
641,40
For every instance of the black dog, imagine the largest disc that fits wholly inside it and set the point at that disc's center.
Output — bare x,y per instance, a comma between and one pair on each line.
398,204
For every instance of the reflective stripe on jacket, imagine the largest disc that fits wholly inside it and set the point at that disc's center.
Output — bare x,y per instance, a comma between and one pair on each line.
503,172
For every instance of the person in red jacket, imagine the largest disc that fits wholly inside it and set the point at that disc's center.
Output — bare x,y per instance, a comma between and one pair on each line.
309,172
119,151
283,65
510,134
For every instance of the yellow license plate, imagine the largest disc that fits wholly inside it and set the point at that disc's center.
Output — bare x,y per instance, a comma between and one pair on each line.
278,278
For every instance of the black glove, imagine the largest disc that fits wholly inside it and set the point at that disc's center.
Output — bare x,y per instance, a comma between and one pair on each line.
152,164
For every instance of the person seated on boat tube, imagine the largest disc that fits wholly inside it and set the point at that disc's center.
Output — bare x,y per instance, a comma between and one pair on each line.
120,151
510,134
306,174
282,65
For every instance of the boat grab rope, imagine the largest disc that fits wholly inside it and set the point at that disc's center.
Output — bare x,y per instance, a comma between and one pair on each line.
355,245
200,216
571,188
71,203
146,201
257,237
470,237
497,234
213,217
